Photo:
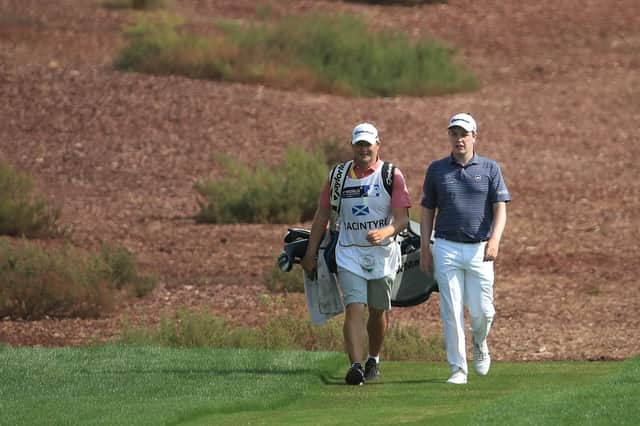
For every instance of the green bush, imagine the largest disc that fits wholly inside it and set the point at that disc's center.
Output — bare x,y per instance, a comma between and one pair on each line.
406,343
292,281
39,280
288,332
122,269
35,282
156,46
285,193
285,331
336,54
399,2
345,57
23,211
191,329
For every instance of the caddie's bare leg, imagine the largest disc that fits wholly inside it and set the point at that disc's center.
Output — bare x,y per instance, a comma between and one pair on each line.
377,328
354,330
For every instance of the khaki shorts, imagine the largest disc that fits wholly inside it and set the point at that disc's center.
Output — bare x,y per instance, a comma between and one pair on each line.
375,293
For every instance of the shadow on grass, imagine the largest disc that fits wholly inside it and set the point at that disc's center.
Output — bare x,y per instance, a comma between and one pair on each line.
339,381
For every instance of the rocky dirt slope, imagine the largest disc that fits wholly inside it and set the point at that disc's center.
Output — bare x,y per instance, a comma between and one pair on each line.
558,108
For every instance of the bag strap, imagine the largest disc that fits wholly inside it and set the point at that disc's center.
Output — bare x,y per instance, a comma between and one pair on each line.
337,178
388,170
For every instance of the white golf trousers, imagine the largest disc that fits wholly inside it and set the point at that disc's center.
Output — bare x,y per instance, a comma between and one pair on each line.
464,279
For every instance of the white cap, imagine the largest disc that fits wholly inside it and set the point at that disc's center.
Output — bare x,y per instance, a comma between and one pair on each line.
364,132
465,121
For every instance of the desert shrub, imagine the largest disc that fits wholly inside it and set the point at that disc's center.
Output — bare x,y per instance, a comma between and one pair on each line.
135,4
343,56
284,331
399,2
35,282
191,329
336,54
289,332
292,281
23,211
61,281
407,343
156,45
122,269
336,151
284,193
195,329
199,328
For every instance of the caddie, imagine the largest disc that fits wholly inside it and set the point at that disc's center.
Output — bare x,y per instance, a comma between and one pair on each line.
367,253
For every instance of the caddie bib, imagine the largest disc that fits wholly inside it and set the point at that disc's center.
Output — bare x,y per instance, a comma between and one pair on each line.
366,206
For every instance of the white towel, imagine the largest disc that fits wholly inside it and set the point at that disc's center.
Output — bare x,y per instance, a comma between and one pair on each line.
324,300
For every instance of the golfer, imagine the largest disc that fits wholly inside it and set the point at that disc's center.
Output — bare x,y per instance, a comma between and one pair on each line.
467,196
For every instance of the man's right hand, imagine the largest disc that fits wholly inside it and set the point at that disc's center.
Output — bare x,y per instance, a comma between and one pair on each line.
426,228
310,265
426,261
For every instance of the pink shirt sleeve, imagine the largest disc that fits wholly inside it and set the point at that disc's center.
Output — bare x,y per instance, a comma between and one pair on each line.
323,200
400,197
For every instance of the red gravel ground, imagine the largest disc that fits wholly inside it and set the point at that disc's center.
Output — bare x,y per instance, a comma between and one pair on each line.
558,105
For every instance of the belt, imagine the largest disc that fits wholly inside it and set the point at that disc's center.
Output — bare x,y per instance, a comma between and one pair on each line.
467,241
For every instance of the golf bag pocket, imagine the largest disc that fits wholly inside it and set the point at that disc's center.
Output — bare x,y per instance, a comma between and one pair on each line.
330,251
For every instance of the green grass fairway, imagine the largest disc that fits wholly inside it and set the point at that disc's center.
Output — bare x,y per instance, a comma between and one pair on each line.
146,385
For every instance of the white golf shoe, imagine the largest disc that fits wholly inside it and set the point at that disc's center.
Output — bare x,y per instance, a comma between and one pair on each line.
458,378
481,357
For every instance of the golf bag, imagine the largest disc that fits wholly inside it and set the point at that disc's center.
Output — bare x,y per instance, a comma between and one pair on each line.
411,286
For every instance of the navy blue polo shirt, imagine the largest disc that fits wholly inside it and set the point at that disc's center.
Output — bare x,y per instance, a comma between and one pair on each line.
464,197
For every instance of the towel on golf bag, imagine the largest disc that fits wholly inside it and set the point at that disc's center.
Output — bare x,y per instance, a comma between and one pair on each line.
324,300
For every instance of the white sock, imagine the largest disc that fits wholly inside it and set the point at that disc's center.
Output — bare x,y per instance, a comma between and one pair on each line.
377,358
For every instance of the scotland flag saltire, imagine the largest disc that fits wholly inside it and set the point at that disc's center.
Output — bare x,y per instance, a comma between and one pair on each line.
360,210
